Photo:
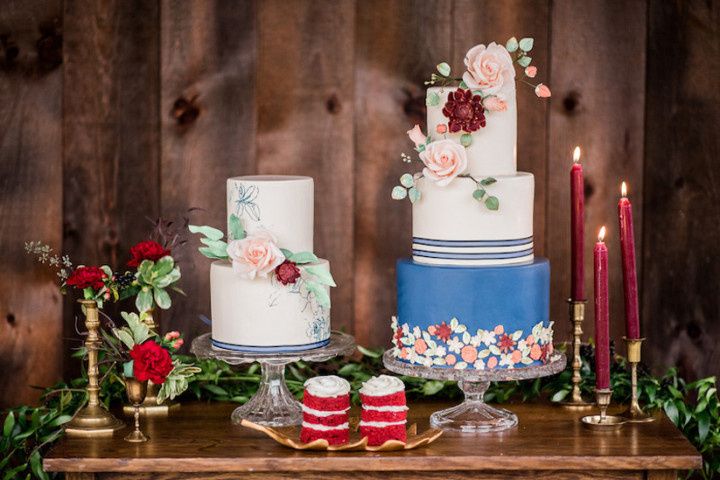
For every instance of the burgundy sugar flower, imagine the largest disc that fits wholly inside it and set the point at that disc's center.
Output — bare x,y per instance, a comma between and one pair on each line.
464,111
287,272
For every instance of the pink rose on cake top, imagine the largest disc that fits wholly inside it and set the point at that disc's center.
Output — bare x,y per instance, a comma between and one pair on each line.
384,410
255,255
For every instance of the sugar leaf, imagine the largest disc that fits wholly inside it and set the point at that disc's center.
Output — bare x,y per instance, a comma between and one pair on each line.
444,69
398,193
492,203
524,61
407,180
479,193
237,231
511,45
526,44
303,257
466,139
321,275
210,232
414,195
432,100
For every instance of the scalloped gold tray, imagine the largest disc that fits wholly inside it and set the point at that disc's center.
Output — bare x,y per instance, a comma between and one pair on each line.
290,437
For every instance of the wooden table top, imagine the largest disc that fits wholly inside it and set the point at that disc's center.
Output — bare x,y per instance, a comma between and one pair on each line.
200,438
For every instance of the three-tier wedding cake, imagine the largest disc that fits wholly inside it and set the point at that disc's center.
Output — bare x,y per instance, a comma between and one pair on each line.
473,296
269,293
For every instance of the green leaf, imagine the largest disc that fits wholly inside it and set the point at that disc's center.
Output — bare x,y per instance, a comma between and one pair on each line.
432,99
145,271
209,232
526,44
444,69
559,395
128,369
672,412
9,424
432,387
370,353
319,292
60,420
479,194
162,298
140,332
511,45
237,231
398,193
215,389
465,139
164,265
303,257
414,195
213,253
321,275
168,279
524,61
125,337
703,426
144,300
463,85
407,180
492,203
286,253
12,474
487,181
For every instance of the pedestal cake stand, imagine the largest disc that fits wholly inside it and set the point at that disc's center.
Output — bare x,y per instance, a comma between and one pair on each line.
273,404
473,415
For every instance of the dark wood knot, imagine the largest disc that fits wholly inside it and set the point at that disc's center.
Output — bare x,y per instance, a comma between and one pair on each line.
333,104
571,102
49,46
588,188
10,48
185,111
10,318
414,105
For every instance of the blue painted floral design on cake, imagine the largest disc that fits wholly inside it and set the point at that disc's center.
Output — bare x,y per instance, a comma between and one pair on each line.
245,201
318,329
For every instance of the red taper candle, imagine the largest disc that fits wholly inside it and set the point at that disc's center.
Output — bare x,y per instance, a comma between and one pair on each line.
602,314
627,251
577,234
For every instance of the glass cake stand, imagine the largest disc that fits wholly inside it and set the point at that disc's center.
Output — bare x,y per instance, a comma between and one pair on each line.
473,415
273,404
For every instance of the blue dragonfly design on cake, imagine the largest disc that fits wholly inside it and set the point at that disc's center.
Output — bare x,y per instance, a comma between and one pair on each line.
245,201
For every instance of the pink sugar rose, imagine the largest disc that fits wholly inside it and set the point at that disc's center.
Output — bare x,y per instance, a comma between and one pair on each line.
469,353
444,160
416,135
495,104
441,128
450,359
420,346
499,330
542,91
489,69
255,255
531,71
516,356
492,362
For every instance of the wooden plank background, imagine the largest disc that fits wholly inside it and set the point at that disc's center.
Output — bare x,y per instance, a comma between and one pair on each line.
119,111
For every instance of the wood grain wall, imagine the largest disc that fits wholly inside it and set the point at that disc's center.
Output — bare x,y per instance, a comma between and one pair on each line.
115,111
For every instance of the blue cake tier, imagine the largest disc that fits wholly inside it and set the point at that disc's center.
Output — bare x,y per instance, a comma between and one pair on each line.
473,317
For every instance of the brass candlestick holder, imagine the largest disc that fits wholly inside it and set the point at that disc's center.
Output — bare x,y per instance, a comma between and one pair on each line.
634,412
150,405
136,392
93,419
603,421
577,316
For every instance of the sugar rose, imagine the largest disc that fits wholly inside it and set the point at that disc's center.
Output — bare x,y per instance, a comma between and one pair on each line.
255,255
489,69
444,160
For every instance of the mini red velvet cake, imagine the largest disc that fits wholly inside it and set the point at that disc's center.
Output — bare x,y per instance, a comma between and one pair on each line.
384,410
326,403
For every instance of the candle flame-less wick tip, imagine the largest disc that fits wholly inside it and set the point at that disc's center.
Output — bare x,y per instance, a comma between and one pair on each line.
601,234
623,189
576,154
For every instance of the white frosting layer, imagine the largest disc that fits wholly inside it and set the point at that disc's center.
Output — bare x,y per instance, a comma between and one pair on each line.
381,424
493,148
450,227
327,386
382,385
262,312
386,408
323,413
278,203
325,428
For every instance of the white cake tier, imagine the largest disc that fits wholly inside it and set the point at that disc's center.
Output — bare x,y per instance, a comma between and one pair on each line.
493,148
450,227
264,315
278,203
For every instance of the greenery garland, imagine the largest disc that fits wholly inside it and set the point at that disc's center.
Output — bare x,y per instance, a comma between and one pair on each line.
693,407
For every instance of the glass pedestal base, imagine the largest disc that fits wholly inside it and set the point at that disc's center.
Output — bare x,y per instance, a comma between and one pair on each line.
272,405
473,415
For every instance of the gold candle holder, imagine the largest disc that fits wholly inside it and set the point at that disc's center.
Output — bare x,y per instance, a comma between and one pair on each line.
634,412
136,392
92,420
150,406
577,316
603,421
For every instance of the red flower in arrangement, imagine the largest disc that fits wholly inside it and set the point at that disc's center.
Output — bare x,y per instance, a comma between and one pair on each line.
398,335
83,277
151,362
287,272
505,343
443,331
147,250
464,111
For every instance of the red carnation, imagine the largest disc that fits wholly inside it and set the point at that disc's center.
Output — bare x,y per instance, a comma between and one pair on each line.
287,272
151,362
464,111
84,277
147,250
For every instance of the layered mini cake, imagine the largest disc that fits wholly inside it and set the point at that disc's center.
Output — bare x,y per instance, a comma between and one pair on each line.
326,403
384,410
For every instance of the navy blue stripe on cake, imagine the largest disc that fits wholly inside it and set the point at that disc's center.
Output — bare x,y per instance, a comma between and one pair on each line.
269,348
472,256
471,243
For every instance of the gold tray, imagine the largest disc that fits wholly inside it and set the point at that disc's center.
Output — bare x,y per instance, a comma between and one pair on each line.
290,437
